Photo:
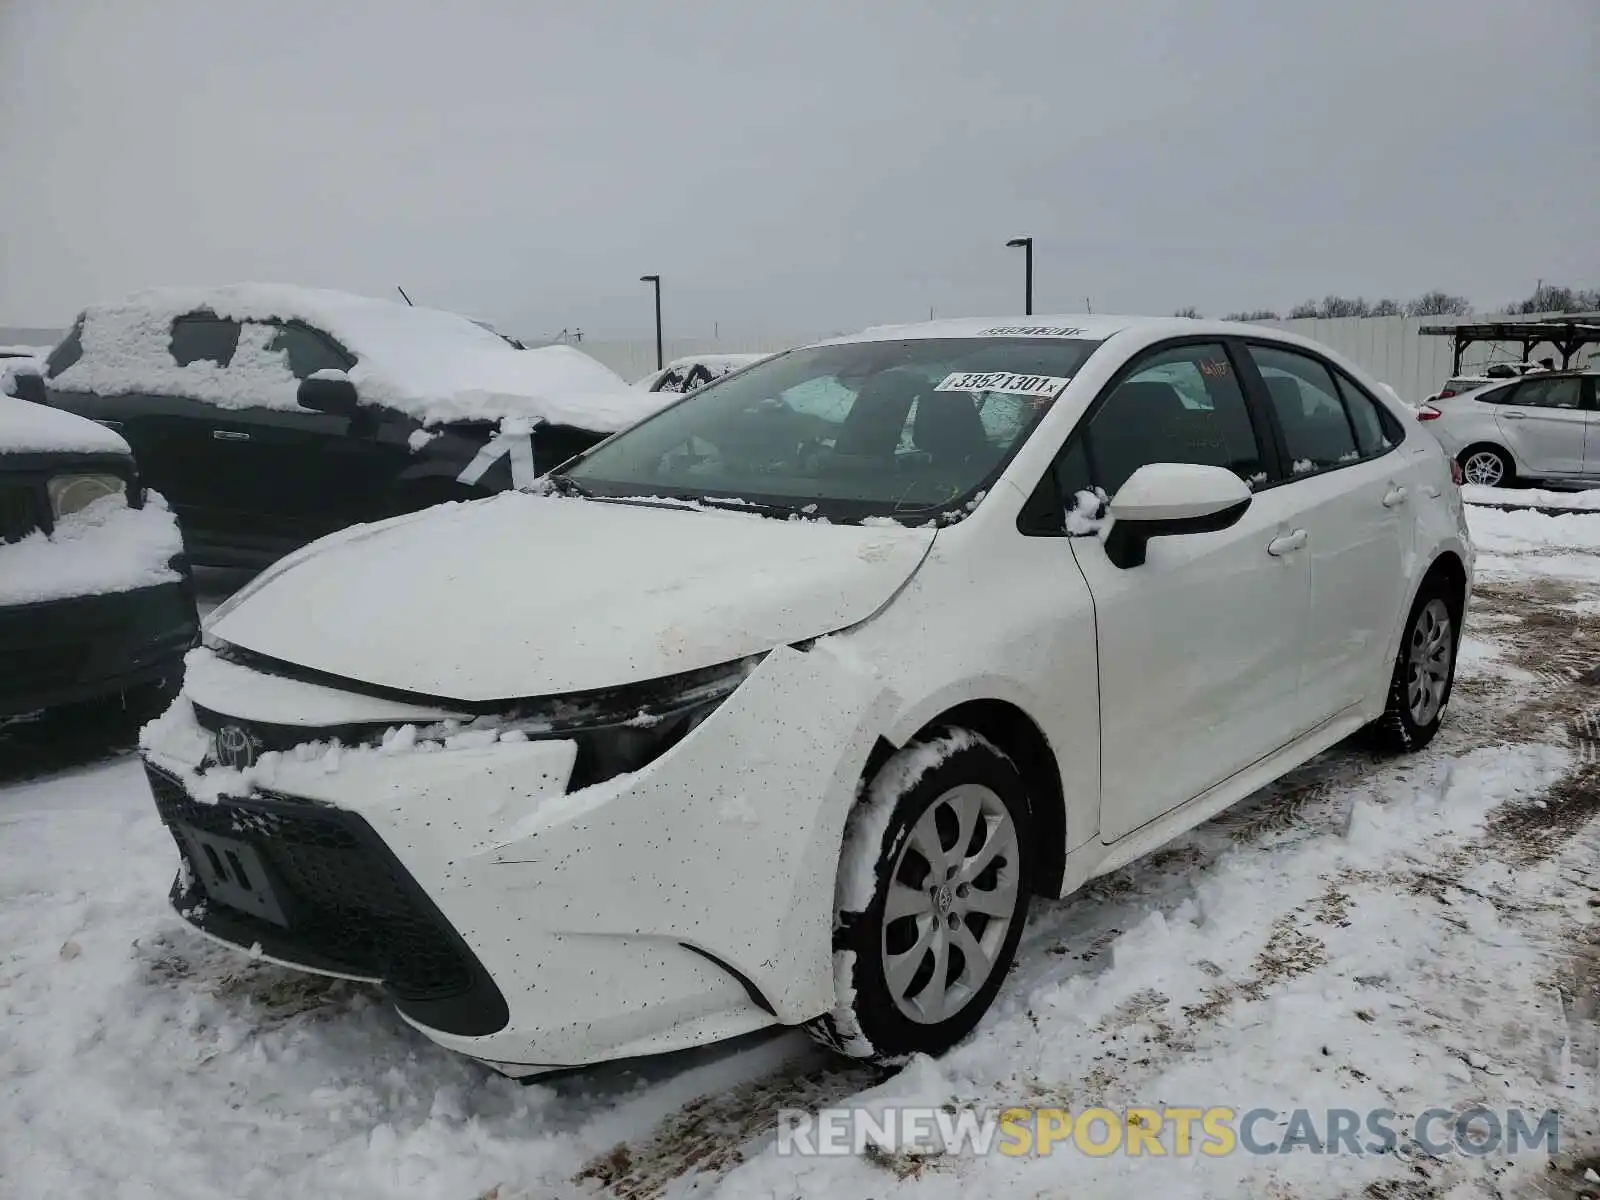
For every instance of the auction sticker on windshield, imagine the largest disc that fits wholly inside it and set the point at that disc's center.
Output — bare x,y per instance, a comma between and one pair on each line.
1047,387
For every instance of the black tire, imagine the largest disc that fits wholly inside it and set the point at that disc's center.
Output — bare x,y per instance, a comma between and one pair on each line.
1399,731
1508,470
868,1020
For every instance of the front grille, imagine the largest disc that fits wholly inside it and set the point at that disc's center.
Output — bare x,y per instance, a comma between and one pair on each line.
351,906
19,511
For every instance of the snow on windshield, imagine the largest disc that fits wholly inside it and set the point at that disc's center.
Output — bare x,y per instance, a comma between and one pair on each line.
431,365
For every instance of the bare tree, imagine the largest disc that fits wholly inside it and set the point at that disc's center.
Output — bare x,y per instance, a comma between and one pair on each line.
1254,314
1553,298
1306,308
1438,304
1340,306
1385,308
1190,311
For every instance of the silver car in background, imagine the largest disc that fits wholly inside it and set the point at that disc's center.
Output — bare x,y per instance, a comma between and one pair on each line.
1543,427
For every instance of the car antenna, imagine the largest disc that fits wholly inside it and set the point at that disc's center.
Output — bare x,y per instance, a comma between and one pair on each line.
403,295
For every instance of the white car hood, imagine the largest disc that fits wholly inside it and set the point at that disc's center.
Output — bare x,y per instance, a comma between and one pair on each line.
36,428
522,595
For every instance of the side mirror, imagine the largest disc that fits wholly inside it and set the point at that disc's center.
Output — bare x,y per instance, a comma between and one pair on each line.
328,391
25,383
1168,500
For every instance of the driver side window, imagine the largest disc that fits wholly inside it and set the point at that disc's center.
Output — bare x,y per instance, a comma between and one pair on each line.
1180,405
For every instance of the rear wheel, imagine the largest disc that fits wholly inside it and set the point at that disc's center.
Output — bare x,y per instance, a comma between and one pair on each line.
1424,671
1487,466
933,893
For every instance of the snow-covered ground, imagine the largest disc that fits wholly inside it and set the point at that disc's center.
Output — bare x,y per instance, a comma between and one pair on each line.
1401,934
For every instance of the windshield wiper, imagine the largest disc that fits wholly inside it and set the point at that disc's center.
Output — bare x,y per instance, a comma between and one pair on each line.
566,485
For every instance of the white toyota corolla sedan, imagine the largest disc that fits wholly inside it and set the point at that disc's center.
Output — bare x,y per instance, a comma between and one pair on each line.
780,706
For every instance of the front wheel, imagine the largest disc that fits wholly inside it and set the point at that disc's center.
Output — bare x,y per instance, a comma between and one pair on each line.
933,892
1424,671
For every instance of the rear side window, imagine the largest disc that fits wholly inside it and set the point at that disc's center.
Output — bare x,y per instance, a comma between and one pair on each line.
1182,405
1317,432
307,351
1377,432
1565,392
204,338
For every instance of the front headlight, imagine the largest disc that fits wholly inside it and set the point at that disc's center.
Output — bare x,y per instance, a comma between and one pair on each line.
622,729
74,493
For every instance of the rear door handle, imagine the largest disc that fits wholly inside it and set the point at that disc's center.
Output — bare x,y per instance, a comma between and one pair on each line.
1287,543
1394,497
229,435
1514,416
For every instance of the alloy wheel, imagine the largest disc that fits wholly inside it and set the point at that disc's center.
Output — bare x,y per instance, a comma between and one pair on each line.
952,896
1484,468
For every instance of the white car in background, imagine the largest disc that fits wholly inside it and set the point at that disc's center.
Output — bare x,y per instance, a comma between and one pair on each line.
849,656
695,371
1543,427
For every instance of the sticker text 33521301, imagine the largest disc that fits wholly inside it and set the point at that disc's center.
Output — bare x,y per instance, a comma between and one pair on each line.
1046,387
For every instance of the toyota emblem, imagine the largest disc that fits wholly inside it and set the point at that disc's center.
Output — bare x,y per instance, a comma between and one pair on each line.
235,747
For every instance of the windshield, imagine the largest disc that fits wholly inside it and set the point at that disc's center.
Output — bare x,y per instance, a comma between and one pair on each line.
910,429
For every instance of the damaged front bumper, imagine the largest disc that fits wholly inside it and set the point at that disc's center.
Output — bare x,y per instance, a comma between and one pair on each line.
532,927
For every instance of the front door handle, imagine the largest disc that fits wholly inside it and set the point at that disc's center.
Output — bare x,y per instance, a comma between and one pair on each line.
1394,497
1286,543
230,435
1514,416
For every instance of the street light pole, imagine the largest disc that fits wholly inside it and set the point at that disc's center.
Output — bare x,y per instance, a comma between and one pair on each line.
1027,251
661,360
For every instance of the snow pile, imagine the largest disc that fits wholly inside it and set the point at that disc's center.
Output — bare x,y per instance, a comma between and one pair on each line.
1512,531
431,365
27,428
1531,497
106,547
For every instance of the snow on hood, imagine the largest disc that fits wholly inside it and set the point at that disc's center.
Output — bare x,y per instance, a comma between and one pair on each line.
27,428
432,365
106,547
526,595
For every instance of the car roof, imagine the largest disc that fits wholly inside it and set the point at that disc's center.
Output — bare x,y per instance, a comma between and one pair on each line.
1087,326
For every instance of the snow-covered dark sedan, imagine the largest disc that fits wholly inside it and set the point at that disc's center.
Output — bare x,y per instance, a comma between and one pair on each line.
270,415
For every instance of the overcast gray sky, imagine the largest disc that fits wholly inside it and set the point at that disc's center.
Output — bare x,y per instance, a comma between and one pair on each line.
798,166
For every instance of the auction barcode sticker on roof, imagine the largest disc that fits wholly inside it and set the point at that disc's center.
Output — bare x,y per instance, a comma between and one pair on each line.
1047,386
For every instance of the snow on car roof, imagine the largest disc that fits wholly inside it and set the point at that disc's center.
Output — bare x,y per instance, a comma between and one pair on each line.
1091,327
28,428
433,365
